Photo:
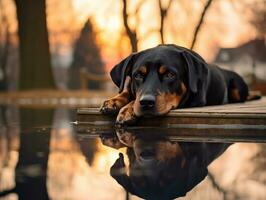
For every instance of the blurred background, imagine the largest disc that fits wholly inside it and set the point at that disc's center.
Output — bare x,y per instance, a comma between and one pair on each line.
73,44
56,55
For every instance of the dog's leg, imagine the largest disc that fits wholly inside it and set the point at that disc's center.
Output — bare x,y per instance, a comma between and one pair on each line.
126,115
113,105
125,137
111,141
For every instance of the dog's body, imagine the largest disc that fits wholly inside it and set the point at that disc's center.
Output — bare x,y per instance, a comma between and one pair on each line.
152,82
156,80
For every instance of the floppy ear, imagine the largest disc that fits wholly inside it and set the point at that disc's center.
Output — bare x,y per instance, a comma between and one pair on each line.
197,76
118,172
196,173
197,70
121,70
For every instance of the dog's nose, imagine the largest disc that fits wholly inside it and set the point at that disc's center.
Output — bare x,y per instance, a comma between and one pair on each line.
147,101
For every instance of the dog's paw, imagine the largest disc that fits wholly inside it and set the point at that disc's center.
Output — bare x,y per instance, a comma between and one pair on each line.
125,137
111,141
126,115
110,106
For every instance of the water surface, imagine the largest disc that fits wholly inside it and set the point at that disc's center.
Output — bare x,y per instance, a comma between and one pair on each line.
42,156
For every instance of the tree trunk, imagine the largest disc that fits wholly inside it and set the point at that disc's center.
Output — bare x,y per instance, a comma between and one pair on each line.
35,63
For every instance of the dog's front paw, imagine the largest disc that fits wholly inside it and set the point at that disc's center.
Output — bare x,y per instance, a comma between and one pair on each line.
111,141
125,137
113,105
126,115
110,106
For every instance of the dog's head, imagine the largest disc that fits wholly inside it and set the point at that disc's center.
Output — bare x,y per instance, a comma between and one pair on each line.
163,78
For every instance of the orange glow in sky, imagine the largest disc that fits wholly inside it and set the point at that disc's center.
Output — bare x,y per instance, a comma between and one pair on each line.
225,25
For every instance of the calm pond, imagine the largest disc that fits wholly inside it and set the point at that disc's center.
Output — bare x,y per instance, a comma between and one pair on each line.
43,156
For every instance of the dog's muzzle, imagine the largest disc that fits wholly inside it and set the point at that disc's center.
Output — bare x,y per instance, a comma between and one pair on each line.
147,102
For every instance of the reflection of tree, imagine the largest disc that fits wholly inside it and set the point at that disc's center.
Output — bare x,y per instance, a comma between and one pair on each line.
33,154
86,56
70,175
9,146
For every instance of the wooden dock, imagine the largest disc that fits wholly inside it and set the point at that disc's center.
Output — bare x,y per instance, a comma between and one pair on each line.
241,122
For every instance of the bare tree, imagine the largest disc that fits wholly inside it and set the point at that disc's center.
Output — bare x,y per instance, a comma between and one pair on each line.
86,58
258,19
132,34
4,48
163,14
197,29
35,61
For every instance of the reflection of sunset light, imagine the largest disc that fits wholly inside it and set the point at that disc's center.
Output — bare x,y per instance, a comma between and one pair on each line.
105,158
70,176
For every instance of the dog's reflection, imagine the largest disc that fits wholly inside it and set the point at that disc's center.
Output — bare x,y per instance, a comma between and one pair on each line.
158,167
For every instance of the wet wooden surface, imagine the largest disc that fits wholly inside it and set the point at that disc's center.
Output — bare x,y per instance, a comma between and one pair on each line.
231,122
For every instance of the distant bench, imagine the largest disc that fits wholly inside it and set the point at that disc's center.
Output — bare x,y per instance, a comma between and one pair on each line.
86,77
225,123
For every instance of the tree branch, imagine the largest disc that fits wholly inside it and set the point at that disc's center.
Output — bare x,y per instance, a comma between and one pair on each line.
207,5
163,14
130,33
5,50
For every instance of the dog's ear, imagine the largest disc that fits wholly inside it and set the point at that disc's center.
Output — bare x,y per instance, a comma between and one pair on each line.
121,70
196,173
118,172
197,71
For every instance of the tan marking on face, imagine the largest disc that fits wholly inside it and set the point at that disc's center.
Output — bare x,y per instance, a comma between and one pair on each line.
162,70
143,70
165,151
166,102
168,150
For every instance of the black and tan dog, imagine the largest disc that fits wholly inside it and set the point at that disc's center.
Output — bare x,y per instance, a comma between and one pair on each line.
158,167
156,80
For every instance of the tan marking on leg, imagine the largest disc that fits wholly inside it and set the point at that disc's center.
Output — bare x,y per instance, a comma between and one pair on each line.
113,142
125,137
234,95
113,105
126,115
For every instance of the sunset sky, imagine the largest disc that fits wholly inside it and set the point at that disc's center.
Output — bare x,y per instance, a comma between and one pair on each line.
226,25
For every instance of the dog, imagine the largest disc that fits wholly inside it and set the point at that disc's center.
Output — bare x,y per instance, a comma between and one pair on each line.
156,80
158,167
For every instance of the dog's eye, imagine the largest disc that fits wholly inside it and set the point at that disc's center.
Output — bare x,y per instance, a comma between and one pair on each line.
138,76
169,75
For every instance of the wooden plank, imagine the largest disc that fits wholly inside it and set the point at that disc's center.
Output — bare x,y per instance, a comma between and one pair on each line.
232,122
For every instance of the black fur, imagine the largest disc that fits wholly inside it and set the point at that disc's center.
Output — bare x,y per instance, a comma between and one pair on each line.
207,84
